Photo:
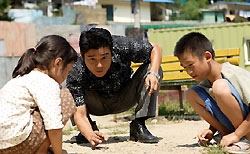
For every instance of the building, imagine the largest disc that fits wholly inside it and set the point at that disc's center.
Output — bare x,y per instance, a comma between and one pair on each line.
121,10
210,16
232,9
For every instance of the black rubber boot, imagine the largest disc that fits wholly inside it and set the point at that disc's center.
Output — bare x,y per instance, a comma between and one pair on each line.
139,132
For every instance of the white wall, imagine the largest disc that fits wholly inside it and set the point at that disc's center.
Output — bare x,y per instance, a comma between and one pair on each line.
122,11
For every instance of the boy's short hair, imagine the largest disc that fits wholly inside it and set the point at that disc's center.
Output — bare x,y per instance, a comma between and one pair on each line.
95,38
195,42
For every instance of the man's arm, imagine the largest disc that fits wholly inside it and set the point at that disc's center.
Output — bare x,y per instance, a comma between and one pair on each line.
84,126
155,58
152,81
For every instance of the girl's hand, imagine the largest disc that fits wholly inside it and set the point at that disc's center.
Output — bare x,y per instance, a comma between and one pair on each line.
152,83
97,138
229,139
205,136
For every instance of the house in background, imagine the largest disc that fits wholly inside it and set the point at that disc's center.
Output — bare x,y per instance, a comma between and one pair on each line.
212,16
120,10
232,9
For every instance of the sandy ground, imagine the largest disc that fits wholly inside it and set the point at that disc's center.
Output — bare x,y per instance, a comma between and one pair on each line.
178,137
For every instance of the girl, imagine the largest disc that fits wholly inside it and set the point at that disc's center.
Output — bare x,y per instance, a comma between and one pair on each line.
31,109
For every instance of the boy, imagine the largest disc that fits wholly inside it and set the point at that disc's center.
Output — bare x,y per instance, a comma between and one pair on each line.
222,97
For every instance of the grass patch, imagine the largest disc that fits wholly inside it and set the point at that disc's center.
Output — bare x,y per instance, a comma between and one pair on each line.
215,149
168,108
69,131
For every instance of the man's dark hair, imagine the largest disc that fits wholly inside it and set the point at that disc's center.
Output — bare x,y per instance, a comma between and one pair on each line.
195,42
95,38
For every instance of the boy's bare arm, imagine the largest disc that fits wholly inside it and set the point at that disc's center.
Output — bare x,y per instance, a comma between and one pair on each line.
243,128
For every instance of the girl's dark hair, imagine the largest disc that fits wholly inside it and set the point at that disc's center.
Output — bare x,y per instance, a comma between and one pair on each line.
48,48
195,42
95,38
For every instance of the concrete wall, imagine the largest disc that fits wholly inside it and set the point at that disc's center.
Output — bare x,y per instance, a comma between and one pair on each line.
86,15
16,37
7,65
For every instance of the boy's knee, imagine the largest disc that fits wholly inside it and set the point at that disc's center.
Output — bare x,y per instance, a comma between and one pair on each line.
220,88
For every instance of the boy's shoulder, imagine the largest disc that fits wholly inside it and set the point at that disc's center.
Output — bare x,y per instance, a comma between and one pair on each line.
230,69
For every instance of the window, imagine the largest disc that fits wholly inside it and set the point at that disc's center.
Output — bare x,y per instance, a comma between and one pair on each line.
247,50
109,9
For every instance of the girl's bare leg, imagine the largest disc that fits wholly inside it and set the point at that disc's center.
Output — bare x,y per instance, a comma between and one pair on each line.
43,149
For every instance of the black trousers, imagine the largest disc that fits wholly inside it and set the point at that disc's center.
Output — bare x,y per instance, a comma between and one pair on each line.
135,92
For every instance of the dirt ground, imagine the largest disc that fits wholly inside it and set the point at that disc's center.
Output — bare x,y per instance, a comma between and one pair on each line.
178,137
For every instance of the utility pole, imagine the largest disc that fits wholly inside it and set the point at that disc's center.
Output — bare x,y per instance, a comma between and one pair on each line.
49,9
137,13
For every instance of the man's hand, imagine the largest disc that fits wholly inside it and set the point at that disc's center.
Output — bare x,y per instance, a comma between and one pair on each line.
205,136
152,83
96,138
82,122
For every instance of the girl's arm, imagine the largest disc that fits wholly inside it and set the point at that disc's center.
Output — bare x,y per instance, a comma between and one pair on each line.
55,137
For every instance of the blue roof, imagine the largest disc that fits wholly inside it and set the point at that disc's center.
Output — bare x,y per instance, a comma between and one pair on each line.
237,3
161,1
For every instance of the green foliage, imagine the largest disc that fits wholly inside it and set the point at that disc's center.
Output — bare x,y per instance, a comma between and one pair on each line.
43,5
188,9
191,11
215,149
169,108
4,8
239,19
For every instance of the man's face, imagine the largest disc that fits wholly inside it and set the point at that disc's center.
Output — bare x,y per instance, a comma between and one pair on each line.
197,68
98,61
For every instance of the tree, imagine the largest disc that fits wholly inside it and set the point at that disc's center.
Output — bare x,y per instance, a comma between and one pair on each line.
4,8
191,11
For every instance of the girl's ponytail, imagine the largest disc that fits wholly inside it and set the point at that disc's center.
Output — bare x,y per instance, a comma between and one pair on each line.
26,63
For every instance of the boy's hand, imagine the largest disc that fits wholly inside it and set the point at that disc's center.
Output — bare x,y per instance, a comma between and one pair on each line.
97,138
205,136
152,83
229,139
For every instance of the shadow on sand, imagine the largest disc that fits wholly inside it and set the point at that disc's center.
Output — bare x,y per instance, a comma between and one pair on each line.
112,139
189,145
